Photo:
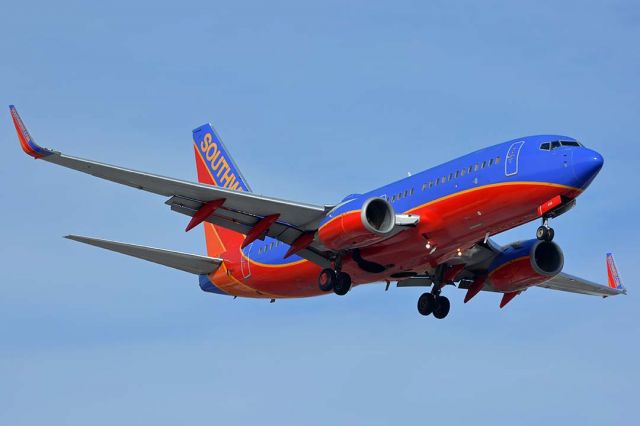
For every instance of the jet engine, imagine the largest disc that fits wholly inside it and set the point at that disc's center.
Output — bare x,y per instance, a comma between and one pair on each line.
357,223
524,264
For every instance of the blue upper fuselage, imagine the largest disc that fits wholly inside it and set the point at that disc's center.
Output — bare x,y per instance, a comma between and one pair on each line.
551,159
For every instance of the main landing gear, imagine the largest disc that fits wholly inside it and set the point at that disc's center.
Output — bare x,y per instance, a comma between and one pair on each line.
545,232
433,303
336,280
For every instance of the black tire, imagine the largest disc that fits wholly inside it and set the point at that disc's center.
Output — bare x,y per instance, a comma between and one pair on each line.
426,304
550,234
342,284
542,233
442,307
326,279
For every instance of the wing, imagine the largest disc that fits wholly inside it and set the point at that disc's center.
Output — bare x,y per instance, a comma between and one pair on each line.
239,211
192,263
477,259
566,282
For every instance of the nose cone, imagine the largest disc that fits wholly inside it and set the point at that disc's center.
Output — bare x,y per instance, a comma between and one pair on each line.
586,165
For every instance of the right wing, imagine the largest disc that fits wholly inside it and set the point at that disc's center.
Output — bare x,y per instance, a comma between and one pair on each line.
240,211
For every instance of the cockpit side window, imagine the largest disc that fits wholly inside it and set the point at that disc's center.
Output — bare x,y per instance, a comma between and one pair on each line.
548,146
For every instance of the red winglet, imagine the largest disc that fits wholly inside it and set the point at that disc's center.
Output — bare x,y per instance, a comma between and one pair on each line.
259,228
26,141
301,242
203,213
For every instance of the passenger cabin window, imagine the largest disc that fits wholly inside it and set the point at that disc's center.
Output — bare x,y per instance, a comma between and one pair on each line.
497,160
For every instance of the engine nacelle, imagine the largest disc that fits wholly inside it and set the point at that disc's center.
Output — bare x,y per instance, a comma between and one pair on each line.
357,223
524,264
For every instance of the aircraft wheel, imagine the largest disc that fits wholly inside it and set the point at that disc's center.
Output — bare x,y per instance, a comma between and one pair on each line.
342,284
541,233
426,304
327,279
442,307
550,234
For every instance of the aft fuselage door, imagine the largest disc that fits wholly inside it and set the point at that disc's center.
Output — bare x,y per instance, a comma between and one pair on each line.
245,264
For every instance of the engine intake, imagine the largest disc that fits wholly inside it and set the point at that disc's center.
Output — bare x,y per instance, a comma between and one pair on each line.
358,223
524,264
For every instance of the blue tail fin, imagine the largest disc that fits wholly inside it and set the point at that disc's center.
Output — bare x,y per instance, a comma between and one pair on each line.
217,166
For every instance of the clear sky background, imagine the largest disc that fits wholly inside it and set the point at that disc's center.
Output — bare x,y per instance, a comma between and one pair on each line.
315,101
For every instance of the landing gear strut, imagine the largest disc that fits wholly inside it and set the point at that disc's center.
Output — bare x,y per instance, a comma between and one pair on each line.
545,232
335,279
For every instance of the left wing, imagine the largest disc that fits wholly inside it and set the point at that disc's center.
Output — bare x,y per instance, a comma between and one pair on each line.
238,210
477,259
566,282
571,284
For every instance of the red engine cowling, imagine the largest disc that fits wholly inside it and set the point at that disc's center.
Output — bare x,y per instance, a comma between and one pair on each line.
358,224
523,264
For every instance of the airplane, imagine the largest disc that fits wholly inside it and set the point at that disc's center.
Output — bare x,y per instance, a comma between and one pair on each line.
431,229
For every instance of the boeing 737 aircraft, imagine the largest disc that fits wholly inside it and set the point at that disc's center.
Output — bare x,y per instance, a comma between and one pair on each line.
431,229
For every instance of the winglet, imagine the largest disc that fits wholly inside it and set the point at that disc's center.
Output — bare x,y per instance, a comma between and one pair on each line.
612,272
26,141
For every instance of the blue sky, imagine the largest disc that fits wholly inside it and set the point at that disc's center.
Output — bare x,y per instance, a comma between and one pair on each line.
315,101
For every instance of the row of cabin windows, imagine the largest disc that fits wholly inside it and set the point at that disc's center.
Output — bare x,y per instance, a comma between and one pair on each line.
269,246
400,195
460,173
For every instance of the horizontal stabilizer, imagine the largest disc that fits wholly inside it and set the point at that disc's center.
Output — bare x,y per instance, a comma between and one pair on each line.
192,263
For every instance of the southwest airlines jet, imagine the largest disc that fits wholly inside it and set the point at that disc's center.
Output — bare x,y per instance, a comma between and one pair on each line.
431,229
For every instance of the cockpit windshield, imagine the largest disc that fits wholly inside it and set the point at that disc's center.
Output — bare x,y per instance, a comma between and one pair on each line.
549,146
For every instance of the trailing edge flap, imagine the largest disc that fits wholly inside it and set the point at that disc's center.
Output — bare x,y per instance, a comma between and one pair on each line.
192,263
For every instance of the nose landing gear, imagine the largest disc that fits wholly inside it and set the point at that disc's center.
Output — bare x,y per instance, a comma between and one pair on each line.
545,232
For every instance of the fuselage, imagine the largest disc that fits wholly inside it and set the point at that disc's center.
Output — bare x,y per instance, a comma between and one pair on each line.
459,203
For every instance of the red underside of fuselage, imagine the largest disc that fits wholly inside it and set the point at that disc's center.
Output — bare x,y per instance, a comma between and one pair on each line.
454,222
